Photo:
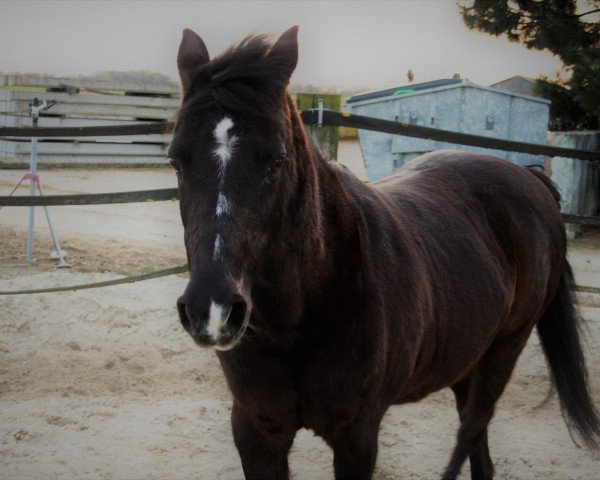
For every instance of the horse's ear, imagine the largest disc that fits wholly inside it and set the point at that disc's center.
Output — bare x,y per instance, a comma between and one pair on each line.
284,54
191,56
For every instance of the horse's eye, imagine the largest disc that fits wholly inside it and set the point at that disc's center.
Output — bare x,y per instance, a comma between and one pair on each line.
175,165
276,164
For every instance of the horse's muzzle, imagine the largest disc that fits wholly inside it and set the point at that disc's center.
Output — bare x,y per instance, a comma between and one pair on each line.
218,326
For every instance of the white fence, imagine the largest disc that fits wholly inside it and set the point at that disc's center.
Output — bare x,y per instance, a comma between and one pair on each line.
86,103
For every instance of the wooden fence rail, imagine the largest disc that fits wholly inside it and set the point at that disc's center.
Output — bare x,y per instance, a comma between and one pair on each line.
159,195
90,198
329,117
95,131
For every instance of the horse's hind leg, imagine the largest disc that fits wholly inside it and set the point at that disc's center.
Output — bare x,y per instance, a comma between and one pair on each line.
476,399
481,463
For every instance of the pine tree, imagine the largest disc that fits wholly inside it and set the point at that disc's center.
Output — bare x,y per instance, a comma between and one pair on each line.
558,26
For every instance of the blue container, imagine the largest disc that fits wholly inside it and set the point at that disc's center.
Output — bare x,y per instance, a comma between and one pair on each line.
455,105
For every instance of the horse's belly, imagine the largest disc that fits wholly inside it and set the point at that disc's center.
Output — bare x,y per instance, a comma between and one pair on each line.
452,340
442,375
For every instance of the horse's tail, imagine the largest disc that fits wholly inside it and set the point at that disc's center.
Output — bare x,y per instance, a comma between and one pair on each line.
538,172
559,331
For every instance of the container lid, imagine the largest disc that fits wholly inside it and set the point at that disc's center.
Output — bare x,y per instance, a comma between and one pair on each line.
415,87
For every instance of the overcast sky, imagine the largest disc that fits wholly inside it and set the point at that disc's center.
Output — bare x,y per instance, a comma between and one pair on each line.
347,43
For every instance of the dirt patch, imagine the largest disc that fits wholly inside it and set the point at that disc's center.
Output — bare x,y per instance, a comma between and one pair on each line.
106,384
87,255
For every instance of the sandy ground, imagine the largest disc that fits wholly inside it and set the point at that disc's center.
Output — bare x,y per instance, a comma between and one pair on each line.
105,384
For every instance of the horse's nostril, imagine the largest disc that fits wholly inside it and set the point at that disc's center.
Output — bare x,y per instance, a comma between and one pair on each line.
183,317
218,326
236,316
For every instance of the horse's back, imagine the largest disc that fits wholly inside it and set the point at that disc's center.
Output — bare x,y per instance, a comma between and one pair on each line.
475,198
480,186
465,173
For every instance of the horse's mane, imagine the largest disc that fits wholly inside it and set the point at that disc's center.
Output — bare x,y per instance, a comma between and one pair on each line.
242,80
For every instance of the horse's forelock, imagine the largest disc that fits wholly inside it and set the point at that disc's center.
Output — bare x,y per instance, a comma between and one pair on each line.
243,80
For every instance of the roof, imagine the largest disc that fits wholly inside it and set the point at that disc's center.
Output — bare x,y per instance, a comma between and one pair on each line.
516,77
413,87
433,86
517,84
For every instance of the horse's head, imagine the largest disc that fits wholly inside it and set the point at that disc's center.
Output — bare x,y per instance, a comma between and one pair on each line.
232,151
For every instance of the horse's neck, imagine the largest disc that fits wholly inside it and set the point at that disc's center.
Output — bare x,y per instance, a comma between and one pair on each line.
329,217
318,244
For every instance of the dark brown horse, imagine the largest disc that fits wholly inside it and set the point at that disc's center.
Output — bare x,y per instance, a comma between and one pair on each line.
328,300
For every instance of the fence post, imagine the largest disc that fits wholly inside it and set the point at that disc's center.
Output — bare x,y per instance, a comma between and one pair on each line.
326,138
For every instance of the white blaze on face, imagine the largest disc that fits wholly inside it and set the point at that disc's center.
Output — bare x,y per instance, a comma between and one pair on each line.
215,320
225,143
222,205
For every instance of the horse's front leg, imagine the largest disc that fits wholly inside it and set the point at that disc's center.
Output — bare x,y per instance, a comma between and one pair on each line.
263,445
355,448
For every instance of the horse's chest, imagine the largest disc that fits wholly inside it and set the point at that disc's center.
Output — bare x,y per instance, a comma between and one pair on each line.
331,395
323,410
